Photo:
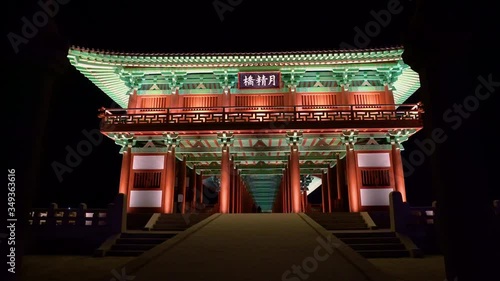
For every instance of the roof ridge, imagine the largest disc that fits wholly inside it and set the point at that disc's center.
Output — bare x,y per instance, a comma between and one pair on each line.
113,52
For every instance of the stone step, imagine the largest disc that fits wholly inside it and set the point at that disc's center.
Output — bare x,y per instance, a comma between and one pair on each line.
381,246
370,240
126,253
371,254
153,235
168,228
139,240
326,225
324,215
178,224
321,221
342,235
132,247
347,227
186,220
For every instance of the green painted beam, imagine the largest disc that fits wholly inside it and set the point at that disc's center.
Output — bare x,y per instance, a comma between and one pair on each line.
332,148
259,167
279,172
257,158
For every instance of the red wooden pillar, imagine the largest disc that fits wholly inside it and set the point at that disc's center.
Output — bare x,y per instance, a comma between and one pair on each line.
236,192
168,206
324,193
126,175
305,201
295,178
174,99
242,197
332,181
233,187
182,184
288,190
399,176
340,177
282,195
240,189
329,192
283,186
133,102
193,183
125,171
199,182
351,179
225,181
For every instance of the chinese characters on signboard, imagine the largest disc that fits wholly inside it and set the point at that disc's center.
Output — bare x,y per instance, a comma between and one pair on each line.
258,80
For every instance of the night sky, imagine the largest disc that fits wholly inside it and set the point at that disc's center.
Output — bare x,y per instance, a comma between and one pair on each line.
60,102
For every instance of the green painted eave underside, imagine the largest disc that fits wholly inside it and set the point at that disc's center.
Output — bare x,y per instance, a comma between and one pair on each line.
117,74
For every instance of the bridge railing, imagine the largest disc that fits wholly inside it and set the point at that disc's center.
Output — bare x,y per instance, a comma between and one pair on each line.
235,114
81,216
111,218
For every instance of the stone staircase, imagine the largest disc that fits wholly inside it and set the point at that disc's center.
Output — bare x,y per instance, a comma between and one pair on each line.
374,244
339,220
352,229
136,243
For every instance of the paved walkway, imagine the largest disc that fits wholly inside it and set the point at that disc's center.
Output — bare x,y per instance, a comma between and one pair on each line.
254,247
71,268
239,247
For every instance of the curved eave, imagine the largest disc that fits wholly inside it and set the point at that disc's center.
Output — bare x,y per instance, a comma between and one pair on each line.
406,84
105,78
104,69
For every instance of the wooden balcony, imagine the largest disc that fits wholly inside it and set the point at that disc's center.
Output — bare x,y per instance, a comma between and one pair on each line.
380,116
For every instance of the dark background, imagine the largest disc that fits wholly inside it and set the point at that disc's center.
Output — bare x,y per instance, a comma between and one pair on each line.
52,102
451,43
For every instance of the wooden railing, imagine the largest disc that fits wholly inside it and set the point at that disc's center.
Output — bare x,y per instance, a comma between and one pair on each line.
383,112
421,215
81,216
74,230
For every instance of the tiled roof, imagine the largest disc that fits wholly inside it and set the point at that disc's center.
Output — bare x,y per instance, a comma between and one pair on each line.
111,71
278,53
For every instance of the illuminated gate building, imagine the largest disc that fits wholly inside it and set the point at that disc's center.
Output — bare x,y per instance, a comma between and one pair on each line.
265,129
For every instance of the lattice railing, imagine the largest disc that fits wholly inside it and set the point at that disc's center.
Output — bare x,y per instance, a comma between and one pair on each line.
265,114
147,179
375,177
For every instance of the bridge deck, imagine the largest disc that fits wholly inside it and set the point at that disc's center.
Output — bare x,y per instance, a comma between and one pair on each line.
253,247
